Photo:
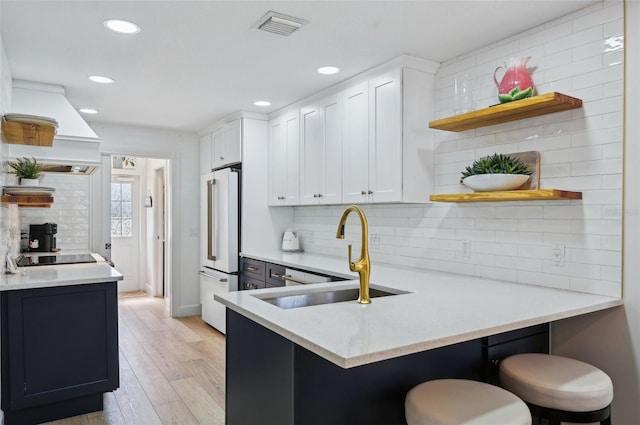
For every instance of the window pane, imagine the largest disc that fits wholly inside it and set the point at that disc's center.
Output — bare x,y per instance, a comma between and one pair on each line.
126,209
126,191
115,191
121,209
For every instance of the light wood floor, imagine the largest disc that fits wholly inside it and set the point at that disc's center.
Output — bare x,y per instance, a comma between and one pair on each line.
171,370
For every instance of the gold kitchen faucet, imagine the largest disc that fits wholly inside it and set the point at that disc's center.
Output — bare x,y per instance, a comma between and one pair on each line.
363,265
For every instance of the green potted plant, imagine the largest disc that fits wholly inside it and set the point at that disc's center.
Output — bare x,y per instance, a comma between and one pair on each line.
495,172
27,169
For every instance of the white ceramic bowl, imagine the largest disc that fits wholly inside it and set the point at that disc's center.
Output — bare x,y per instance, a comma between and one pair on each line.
494,182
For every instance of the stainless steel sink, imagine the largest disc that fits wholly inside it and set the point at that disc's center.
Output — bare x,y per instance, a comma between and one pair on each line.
326,297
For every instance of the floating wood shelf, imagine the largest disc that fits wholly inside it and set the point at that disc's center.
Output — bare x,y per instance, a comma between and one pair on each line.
38,201
526,108
508,195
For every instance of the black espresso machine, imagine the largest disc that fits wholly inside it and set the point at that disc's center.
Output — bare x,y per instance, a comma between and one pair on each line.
42,237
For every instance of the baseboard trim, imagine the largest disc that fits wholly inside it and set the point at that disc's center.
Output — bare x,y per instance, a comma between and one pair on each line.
189,310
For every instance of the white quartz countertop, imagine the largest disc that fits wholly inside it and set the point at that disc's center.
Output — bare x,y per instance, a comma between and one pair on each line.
440,309
59,275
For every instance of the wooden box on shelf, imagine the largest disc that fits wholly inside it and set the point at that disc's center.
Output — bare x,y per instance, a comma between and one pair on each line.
19,133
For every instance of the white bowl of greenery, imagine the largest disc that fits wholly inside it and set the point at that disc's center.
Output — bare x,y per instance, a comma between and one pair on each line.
497,172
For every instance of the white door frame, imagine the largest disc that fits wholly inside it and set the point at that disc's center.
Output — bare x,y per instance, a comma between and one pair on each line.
160,287
100,215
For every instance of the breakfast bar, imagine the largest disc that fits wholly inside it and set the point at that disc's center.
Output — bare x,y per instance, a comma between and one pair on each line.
344,362
59,349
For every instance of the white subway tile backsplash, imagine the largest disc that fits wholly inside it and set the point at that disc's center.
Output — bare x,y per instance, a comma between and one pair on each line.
596,286
575,39
579,55
70,211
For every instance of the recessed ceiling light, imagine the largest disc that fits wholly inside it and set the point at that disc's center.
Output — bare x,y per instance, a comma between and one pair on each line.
262,103
88,110
122,26
101,79
328,70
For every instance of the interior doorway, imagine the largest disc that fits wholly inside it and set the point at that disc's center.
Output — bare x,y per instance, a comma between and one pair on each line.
138,222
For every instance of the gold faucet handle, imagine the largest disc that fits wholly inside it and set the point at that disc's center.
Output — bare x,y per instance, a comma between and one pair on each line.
352,265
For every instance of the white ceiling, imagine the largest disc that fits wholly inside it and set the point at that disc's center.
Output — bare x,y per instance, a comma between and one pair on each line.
196,61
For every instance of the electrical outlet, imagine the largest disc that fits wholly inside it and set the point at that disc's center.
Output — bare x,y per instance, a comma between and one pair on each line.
558,255
374,240
465,248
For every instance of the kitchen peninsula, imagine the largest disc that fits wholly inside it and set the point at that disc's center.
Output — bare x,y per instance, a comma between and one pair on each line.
59,340
351,363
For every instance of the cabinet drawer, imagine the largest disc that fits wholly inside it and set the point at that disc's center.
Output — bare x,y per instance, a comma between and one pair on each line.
275,273
253,268
250,283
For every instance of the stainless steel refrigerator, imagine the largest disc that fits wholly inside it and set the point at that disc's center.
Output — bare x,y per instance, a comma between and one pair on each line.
219,224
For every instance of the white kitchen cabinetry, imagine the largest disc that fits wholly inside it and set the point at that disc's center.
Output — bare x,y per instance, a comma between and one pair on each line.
206,147
387,148
380,120
372,168
321,151
221,147
284,159
227,146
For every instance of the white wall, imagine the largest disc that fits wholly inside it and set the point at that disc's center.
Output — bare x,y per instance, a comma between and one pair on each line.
580,150
182,151
611,339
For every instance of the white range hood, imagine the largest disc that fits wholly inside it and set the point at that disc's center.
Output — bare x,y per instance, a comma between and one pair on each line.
76,147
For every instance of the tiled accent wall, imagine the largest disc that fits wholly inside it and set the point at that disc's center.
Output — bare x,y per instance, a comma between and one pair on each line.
580,55
70,211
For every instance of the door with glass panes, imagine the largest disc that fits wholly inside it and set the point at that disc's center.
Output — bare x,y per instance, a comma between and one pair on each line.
125,230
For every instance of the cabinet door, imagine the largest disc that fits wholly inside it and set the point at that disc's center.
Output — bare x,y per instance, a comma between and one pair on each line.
64,344
229,151
331,183
284,160
355,159
385,137
218,148
311,154
205,154
321,152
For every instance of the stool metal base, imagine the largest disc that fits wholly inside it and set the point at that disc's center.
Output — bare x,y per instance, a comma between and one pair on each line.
555,417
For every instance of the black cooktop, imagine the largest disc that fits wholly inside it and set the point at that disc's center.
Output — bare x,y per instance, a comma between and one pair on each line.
47,260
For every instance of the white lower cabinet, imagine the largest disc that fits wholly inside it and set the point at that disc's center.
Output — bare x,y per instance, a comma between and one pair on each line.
284,159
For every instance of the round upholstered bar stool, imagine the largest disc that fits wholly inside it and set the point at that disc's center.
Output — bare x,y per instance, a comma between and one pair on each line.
559,389
460,401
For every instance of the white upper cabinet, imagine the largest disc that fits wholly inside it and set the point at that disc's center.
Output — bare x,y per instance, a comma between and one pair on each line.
355,173
321,151
385,138
227,147
206,154
221,147
366,141
284,159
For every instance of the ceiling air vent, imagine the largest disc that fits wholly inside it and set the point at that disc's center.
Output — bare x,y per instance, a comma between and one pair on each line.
278,23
